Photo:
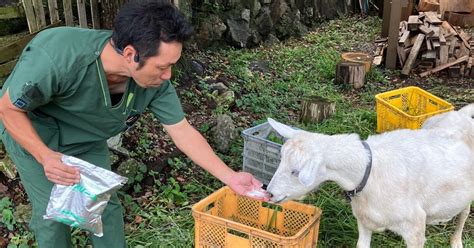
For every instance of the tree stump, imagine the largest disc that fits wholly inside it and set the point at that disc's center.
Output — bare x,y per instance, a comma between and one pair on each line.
350,73
315,109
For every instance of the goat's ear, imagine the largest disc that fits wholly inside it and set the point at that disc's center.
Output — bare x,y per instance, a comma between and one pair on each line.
282,129
307,175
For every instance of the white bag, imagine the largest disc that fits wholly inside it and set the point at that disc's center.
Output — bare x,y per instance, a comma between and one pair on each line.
81,205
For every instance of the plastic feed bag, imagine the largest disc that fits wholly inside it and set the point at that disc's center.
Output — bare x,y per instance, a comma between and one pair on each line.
81,205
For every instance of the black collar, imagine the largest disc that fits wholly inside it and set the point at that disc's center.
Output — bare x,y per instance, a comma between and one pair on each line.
352,193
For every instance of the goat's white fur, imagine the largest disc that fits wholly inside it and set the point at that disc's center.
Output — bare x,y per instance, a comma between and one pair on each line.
418,177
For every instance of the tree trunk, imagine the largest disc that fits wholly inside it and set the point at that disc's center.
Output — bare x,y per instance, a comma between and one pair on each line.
315,109
350,73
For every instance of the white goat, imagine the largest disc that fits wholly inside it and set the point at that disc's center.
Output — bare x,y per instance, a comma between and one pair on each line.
417,177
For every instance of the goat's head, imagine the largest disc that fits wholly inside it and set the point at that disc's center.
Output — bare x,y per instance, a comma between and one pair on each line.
301,168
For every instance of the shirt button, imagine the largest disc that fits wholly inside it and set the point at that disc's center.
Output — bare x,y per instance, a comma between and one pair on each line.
97,52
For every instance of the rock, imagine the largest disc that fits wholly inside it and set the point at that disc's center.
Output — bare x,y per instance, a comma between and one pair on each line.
133,170
223,133
271,39
226,99
115,144
277,9
245,15
264,22
239,32
198,67
259,66
209,30
290,25
220,87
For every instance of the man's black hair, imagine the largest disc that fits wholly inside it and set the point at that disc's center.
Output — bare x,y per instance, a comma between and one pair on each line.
144,24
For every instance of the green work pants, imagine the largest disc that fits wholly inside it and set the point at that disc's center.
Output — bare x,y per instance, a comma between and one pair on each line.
52,234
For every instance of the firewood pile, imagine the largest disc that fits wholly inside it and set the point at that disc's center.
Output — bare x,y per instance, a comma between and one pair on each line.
428,44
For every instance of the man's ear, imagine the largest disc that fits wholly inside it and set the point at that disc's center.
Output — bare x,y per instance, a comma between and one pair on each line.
307,175
284,130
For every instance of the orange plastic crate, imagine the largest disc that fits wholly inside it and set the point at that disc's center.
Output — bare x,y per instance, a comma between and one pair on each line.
225,219
407,108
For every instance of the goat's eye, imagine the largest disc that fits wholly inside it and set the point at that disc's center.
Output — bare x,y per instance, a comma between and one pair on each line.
295,173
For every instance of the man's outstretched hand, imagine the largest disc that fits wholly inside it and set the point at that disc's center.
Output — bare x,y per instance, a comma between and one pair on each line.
244,183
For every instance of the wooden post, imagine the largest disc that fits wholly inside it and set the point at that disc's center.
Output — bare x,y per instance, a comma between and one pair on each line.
39,12
315,109
30,15
350,73
387,4
67,5
81,10
95,14
395,12
53,11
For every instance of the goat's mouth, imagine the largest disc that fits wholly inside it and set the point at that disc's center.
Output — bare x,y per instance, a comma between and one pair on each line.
279,200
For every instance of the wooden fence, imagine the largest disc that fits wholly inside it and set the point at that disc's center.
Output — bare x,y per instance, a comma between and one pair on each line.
36,13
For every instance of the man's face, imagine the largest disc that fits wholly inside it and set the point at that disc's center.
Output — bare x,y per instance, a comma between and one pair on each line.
157,68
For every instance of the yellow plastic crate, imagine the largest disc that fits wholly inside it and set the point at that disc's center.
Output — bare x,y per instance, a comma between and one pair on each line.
225,219
407,108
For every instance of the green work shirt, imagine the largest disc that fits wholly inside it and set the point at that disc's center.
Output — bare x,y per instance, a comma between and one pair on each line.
60,81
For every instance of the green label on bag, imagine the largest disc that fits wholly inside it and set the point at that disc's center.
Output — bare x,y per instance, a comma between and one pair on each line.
84,191
70,214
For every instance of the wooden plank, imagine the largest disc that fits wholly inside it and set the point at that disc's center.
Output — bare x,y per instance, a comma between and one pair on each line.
53,11
464,37
10,12
432,17
413,22
426,30
436,44
448,27
429,55
443,54
413,54
428,45
404,38
95,14
68,18
402,56
442,67
442,39
435,29
12,50
30,15
39,12
6,69
452,46
81,10
395,12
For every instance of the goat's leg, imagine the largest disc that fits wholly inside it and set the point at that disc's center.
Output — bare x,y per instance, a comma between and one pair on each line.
456,239
413,231
364,236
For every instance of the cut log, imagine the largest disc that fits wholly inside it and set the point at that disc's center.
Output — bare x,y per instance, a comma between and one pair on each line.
350,73
315,109
442,67
413,22
413,54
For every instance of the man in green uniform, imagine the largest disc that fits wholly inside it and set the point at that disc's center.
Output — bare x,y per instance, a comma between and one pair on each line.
72,89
